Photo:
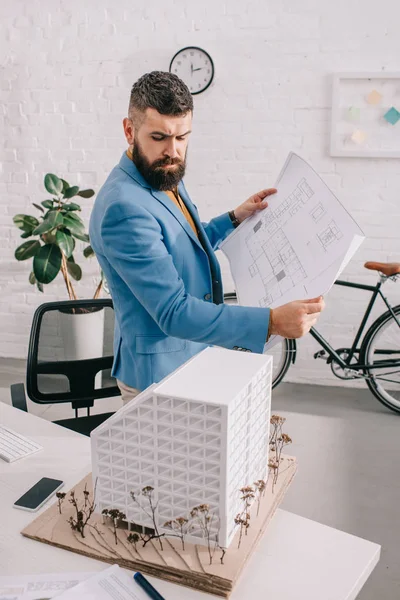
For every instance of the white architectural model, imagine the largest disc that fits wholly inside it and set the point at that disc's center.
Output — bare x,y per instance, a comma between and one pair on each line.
196,438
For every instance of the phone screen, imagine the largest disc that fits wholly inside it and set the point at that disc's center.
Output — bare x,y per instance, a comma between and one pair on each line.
38,493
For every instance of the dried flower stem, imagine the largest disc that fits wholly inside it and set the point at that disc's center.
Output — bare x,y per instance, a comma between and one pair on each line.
147,492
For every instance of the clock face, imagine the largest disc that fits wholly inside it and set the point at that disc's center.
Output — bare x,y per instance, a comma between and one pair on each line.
195,67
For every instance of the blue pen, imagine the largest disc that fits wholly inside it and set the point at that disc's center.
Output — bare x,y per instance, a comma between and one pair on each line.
147,587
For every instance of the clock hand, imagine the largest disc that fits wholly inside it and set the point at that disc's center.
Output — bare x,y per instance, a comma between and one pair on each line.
199,69
191,68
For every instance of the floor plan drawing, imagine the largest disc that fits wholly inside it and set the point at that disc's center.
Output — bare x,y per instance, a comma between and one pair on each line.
294,202
274,261
317,212
329,235
286,252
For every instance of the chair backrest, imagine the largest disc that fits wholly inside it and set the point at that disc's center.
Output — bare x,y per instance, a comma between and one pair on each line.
70,353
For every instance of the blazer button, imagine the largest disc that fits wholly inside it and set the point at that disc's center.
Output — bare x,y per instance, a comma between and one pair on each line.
207,297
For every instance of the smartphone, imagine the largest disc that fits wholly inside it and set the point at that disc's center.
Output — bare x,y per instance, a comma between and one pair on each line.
34,498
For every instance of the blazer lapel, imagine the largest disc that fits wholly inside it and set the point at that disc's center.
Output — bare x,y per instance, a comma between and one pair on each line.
212,260
195,216
127,165
178,214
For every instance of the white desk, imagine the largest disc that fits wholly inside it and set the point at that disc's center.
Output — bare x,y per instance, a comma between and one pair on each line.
296,559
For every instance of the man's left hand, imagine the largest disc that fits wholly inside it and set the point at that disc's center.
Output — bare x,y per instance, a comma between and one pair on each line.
253,204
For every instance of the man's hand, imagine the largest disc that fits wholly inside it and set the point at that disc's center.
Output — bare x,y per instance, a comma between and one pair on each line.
253,204
295,319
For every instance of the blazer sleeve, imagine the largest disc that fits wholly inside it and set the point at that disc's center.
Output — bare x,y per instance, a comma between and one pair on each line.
146,266
217,229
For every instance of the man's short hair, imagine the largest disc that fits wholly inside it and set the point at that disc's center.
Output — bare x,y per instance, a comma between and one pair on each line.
163,91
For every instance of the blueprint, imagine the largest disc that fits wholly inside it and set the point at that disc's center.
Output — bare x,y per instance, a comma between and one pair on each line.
297,246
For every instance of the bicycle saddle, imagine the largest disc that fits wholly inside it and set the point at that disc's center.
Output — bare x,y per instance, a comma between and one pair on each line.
388,269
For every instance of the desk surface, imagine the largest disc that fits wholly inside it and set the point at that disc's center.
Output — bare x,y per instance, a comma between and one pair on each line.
297,558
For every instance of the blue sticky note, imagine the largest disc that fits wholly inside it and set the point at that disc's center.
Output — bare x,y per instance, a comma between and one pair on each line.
392,116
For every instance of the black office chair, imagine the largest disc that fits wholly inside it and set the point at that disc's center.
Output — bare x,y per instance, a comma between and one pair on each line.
61,368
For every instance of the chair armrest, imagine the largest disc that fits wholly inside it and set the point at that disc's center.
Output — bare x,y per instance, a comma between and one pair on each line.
18,397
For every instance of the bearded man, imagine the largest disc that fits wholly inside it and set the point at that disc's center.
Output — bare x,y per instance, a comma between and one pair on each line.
159,258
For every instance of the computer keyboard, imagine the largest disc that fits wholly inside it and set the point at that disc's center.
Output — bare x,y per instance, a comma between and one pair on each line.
14,446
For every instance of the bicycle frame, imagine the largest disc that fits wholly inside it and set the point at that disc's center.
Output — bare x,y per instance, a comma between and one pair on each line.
345,363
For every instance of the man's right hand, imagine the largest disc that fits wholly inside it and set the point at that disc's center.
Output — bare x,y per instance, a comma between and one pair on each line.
295,319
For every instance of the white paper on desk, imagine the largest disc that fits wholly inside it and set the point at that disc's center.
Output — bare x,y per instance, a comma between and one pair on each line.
38,587
295,248
111,584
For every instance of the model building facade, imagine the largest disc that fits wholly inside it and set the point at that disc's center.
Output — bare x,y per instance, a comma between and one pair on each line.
197,437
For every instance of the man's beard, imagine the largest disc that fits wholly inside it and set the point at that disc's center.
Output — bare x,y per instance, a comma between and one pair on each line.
155,174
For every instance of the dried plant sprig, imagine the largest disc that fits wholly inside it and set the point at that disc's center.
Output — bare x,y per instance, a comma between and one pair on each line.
204,518
84,513
116,516
181,527
147,492
277,441
260,487
60,499
133,538
243,518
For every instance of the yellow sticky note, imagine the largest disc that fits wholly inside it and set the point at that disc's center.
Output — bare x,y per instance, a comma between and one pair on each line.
358,136
374,97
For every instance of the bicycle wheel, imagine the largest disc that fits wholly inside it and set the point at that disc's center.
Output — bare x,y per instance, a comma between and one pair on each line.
282,353
381,344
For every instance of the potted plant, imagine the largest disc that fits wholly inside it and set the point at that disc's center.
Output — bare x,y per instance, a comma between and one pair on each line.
54,233
51,246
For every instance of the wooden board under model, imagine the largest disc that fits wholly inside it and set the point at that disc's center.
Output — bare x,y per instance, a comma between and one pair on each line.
189,567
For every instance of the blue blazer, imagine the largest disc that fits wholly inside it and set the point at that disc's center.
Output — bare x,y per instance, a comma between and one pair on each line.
165,285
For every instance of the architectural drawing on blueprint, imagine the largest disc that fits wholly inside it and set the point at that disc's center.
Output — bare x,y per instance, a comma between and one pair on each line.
274,261
294,202
273,258
291,250
330,234
317,212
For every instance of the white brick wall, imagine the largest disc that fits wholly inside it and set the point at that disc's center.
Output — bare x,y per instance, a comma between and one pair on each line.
66,71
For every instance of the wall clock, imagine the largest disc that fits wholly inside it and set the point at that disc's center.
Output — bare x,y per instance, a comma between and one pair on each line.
195,67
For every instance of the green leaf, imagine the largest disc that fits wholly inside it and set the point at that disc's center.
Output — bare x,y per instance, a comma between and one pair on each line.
32,278
25,222
74,223
65,185
39,286
81,236
86,193
27,250
66,242
88,251
47,263
48,203
52,220
49,237
74,270
38,207
53,184
71,192
26,234
71,206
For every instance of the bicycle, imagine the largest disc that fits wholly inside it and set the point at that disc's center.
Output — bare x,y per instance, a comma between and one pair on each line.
374,358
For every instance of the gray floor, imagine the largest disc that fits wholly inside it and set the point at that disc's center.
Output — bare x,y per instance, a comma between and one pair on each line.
347,446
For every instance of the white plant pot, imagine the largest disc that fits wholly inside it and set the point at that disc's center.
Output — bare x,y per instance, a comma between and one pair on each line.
83,337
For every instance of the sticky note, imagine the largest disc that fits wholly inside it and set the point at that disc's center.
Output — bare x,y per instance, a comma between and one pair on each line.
374,97
354,113
392,116
358,136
